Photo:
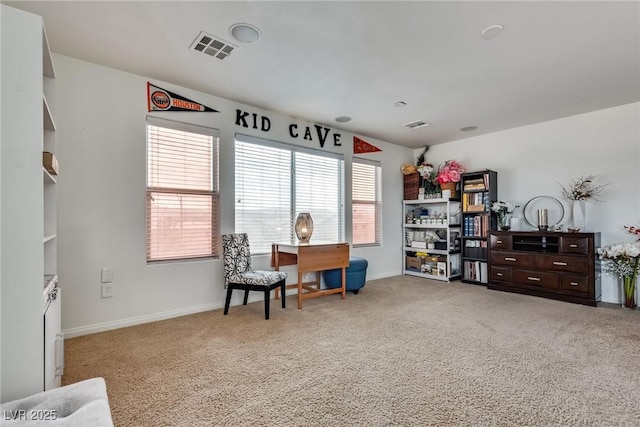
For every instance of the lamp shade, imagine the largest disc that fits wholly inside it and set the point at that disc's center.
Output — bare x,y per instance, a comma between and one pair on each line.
304,227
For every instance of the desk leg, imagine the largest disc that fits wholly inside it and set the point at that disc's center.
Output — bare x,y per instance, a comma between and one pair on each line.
276,267
299,291
344,282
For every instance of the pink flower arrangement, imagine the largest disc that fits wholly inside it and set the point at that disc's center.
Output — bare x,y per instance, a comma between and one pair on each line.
451,172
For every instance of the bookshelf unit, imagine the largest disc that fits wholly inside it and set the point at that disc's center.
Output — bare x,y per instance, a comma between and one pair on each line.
479,190
427,216
31,338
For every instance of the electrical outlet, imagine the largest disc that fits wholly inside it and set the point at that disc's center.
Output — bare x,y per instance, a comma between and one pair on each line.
107,291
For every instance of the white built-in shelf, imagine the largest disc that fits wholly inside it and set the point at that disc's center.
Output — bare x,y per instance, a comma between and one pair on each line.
47,178
49,237
46,115
47,63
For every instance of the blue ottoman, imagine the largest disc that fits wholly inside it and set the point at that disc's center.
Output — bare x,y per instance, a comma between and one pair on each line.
356,275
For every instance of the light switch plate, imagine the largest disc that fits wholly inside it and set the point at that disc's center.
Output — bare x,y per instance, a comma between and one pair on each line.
106,275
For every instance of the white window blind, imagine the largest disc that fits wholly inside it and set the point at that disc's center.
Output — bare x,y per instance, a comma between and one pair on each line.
366,202
275,182
182,191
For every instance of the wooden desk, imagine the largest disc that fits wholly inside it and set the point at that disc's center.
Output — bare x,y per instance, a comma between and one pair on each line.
312,257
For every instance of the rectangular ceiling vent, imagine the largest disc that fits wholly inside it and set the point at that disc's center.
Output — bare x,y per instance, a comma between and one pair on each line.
417,124
212,46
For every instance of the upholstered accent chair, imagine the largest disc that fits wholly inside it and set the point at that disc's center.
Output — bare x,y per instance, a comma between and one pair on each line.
239,275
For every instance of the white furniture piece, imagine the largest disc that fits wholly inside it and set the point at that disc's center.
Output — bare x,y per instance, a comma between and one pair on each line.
28,255
81,404
443,218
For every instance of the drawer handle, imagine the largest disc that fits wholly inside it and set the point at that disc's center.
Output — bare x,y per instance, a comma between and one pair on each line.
510,259
498,241
499,274
535,279
573,246
573,284
559,263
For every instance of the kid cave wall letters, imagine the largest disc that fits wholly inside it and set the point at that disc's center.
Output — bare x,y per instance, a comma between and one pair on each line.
254,121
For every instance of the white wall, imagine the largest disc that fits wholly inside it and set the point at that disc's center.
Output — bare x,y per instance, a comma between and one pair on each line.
532,160
101,199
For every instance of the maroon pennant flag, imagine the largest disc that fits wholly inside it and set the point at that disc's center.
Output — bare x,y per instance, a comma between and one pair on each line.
360,146
159,99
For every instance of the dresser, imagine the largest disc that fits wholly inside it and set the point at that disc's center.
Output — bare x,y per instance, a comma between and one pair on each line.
562,266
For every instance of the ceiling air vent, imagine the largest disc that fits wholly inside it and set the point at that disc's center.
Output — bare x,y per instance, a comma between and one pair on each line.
212,46
417,124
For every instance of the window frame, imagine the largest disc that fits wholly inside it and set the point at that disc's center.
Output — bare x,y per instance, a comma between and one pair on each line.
213,194
377,202
293,205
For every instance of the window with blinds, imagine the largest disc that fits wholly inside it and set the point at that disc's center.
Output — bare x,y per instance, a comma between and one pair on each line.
366,202
182,191
274,182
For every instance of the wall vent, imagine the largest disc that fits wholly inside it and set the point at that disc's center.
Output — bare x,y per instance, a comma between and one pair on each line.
417,124
212,46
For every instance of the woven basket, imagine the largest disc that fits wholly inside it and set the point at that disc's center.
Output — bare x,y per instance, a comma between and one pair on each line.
411,186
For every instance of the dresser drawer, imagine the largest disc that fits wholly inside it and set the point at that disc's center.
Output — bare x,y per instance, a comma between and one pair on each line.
575,283
516,259
573,264
500,242
537,279
574,245
500,274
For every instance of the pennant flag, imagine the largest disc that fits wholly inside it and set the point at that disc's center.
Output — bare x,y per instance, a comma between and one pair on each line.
360,146
159,99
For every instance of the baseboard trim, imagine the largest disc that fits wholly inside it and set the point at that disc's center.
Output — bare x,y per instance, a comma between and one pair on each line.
154,317
139,320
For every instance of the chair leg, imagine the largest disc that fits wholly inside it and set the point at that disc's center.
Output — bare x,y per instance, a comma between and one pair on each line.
283,289
267,298
228,300
246,296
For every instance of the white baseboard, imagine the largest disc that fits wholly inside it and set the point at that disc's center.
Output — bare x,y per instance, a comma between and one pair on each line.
154,317
138,320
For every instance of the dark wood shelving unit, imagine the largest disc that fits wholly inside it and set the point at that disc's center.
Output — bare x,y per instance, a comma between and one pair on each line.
479,190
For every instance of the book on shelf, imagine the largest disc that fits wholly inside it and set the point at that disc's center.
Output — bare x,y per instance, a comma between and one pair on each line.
476,271
475,202
476,226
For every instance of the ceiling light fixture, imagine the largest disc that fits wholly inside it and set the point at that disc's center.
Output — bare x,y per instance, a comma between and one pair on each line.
492,31
343,119
468,128
245,33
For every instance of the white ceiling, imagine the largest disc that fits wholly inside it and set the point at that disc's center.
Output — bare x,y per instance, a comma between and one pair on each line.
320,60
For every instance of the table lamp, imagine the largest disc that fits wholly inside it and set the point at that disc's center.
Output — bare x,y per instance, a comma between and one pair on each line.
304,227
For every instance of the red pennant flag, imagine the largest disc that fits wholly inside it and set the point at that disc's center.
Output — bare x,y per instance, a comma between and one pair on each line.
159,99
360,146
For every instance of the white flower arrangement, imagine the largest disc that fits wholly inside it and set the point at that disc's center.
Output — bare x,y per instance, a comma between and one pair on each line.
583,188
622,257
502,207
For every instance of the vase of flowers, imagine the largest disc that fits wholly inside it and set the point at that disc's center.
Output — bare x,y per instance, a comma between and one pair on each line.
503,210
428,178
622,260
449,175
578,192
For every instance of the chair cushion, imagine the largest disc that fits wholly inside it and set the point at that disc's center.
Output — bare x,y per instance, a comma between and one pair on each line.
257,277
